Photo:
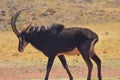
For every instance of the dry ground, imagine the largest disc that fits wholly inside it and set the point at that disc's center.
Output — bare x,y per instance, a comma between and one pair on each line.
101,16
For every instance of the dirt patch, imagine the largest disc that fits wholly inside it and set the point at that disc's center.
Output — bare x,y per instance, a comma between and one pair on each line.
38,72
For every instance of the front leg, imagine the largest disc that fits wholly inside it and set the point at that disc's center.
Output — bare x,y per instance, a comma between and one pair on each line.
64,63
49,66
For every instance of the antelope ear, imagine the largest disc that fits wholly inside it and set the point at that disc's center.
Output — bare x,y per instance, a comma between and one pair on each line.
27,28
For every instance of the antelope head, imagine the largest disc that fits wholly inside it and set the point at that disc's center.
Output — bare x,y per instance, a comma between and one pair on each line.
22,35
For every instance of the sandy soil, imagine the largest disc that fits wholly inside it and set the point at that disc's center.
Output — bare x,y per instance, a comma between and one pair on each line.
38,72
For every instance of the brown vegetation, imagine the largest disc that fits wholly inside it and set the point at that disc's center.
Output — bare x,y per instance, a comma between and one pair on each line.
102,16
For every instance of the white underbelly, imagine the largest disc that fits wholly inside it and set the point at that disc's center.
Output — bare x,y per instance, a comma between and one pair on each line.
73,52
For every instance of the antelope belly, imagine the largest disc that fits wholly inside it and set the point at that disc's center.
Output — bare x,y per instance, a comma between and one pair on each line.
73,52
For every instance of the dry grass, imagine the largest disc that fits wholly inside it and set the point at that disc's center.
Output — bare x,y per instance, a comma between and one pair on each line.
63,11
101,17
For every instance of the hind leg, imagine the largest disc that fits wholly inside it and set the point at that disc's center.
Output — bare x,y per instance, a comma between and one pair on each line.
95,58
98,62
84,49
89,64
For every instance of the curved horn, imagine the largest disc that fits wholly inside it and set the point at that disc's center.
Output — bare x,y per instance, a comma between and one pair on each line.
13,21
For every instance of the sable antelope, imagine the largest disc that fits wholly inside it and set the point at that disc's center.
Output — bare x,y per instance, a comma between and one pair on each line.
56,40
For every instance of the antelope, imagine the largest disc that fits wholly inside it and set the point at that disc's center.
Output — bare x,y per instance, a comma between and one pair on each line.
58,39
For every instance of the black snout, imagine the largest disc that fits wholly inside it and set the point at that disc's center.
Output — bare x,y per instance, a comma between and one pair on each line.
22,45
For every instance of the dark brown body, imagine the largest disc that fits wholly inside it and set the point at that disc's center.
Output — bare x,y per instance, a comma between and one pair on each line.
52,44
58,39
